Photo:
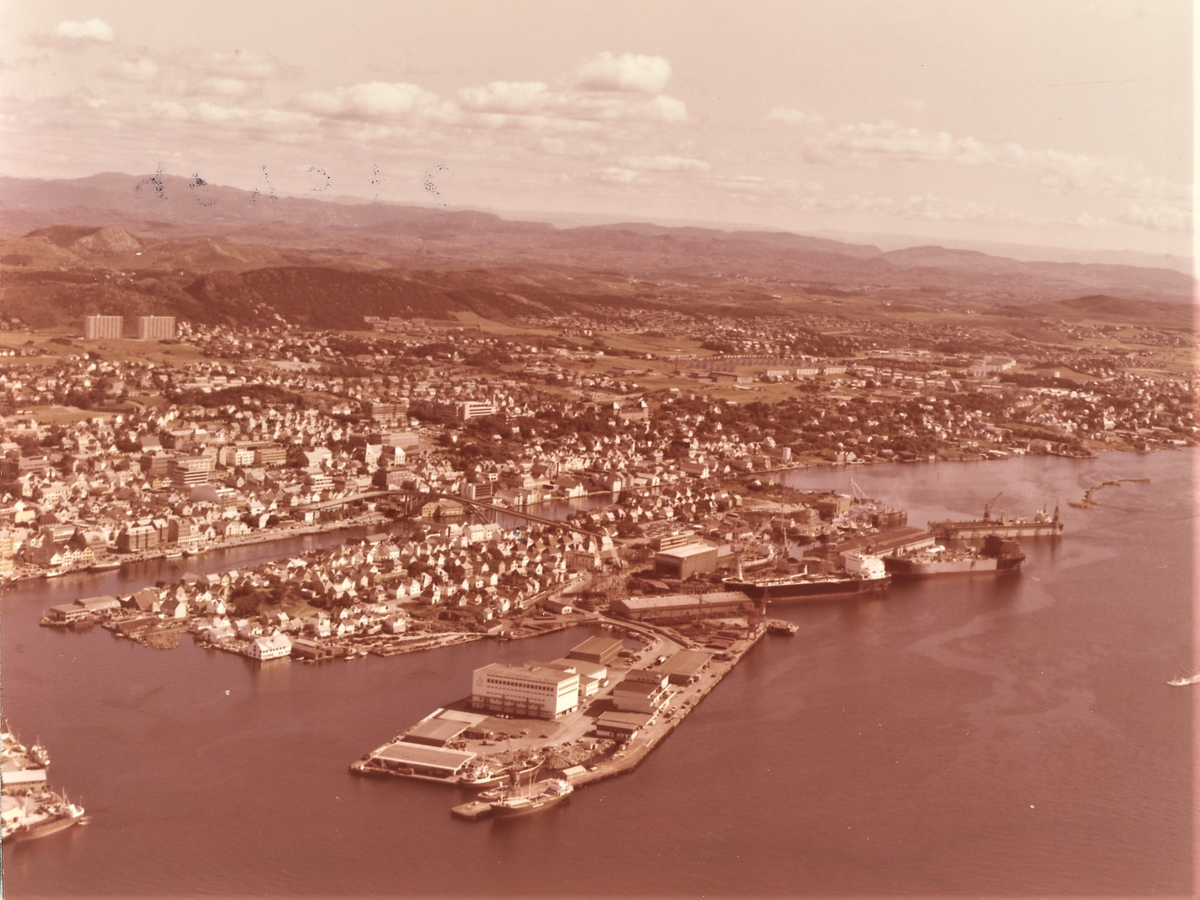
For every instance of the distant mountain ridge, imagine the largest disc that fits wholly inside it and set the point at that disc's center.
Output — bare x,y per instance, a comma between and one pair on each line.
134,243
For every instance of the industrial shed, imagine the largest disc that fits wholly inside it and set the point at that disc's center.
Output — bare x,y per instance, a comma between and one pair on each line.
685,666
668,606
435,732
434,761
686,561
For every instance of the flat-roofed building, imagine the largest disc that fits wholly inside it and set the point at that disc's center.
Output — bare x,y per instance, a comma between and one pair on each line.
474,409
600,650
270,455
435,732
589,685
140,536
98,327
685,666
191,470
156,328
686,561
533,691
418,759
623,726
67,612
636,695
387,413
679,606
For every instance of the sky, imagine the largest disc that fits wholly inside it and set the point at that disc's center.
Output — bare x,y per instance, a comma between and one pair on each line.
1049,123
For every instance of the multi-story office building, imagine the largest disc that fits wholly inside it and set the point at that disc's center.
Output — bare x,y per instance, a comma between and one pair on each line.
97,327
191,470
156,328
474,409
535,691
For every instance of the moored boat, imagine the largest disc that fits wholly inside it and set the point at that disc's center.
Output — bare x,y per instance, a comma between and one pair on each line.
863,574
551,793
998,555
58,818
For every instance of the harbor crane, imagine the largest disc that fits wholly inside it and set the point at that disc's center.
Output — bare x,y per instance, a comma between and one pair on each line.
987,508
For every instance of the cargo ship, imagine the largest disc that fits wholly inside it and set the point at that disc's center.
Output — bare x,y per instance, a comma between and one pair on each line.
999,555
1041,524
864,574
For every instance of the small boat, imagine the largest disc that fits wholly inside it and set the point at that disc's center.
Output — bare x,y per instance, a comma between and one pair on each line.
38,754
1183,680
105,565
174,553
552,793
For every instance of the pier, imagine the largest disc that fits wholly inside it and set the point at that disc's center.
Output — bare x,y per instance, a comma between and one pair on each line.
543,739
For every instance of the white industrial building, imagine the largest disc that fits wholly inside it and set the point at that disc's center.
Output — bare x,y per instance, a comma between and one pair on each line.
273,647
531,691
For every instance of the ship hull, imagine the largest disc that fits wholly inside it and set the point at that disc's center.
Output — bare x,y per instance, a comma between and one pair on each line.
47,828
821,589
500,810
906,568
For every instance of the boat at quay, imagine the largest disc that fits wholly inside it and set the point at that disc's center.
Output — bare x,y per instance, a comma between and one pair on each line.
999,555
52,815
864,574
552,792
485,776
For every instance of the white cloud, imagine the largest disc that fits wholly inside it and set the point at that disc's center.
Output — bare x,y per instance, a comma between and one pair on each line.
137,70
795,117
532,105
616,175
876,143
228,87
92,30
514,97
627,72
246,64
378,101
666,164
1159,218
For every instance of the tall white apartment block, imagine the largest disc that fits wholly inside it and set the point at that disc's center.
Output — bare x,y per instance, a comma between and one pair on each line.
156,328
97,327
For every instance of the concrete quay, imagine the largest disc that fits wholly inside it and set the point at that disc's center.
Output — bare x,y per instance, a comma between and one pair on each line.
632,754
529,740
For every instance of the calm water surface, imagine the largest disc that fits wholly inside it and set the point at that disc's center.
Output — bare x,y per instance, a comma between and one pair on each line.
968,737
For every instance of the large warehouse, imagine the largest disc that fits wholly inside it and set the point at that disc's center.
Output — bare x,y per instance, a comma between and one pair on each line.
686,561
678,606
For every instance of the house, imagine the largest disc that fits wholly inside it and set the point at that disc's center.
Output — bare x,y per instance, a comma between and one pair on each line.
274,646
